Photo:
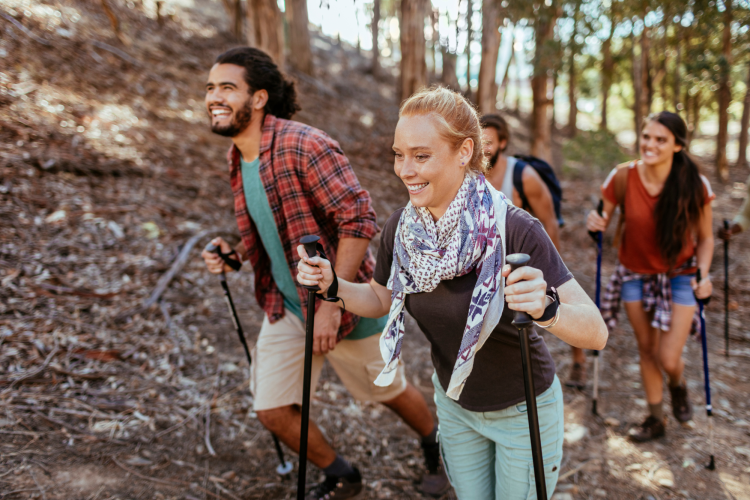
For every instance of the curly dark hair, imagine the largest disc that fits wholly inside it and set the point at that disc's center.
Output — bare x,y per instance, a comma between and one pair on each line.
261,73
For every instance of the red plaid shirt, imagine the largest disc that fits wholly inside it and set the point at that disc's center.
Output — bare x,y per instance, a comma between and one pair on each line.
311,189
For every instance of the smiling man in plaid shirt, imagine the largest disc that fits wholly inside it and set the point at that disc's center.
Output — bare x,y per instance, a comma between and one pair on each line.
290,180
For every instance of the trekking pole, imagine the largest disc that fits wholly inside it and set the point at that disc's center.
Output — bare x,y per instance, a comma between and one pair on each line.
284,467
523,322
709,410
726,291
597,235
310,242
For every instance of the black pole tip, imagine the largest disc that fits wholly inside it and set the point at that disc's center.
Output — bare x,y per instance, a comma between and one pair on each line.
711,465
594,410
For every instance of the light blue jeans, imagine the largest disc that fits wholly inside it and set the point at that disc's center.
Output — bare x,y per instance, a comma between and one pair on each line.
487,455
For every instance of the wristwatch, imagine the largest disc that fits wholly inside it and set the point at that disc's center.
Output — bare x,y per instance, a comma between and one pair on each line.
551,312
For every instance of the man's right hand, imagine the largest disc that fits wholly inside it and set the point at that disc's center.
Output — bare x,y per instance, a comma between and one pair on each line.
214,262
734,228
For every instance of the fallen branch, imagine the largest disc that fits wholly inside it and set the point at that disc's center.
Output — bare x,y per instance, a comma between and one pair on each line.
25,30
208,432
114,50
573,471
164,281
36,372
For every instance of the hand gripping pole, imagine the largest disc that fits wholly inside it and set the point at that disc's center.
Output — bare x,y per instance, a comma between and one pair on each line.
523,322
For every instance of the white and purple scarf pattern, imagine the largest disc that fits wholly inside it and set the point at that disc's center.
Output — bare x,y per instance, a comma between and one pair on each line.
468,237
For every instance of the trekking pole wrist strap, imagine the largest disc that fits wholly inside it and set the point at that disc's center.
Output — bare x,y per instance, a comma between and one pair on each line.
235,262
332,292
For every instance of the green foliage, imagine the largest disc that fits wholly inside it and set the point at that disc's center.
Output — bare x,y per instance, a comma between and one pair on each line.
591,152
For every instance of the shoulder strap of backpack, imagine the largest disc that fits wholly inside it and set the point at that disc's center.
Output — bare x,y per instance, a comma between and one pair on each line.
518,180
621,187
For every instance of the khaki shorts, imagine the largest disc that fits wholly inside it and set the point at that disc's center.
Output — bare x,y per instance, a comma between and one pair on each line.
279,358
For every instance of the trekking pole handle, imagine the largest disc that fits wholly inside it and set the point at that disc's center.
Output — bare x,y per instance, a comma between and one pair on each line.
698,280
516,260
310,242
234,264
600,211
726,224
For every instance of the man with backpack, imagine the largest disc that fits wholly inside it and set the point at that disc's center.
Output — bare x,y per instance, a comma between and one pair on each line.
530,183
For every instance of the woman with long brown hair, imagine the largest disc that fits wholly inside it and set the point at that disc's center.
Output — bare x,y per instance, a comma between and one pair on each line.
664,237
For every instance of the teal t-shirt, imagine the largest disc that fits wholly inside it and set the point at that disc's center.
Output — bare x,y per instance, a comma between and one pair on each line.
260,212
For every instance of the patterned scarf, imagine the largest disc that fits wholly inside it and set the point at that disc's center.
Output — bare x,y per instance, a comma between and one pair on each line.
468,237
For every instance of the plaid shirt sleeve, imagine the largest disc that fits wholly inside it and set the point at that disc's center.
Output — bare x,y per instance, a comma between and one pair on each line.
330,179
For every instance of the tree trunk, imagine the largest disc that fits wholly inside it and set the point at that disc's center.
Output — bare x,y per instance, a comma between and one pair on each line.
300,53
266,28
744,124
449,78
725,96
504,80
435,40
487,88
638,90
676,72
607,70
571,128
646,89
413,64
694,102
375,67
469,35
541,145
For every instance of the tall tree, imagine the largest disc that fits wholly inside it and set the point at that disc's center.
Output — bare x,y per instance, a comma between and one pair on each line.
676,77
375,65
744,124
573,48
413,64
300,53
544,51
725,94
266,28
504,81
608,67
469,36
487,88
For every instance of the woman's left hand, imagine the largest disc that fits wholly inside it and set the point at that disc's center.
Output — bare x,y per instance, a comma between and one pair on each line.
526,290
704,289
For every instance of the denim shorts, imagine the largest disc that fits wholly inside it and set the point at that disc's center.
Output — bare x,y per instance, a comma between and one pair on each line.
682,290
487,455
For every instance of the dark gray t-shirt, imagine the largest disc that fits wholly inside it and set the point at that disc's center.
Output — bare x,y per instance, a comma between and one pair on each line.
496,380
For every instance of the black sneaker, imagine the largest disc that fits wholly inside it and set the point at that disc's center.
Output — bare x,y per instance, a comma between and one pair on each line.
649,430
340,487
435,483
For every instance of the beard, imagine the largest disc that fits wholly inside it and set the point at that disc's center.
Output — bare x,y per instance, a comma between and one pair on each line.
494,157
240,121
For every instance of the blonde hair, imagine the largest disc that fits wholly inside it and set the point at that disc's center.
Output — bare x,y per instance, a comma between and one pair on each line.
456,119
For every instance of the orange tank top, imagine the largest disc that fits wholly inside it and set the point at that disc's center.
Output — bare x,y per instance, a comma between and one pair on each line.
639,249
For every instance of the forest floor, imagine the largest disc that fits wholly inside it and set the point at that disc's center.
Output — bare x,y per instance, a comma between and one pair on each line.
108,168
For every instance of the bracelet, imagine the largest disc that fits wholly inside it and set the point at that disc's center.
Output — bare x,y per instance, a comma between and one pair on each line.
554,321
